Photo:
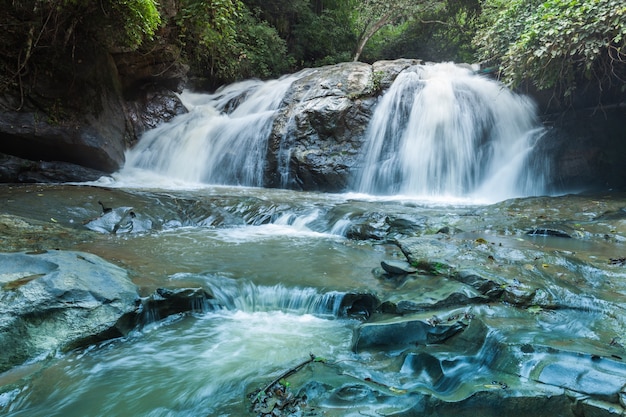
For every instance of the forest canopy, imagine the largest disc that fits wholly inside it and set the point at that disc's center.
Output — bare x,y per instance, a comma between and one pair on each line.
552,44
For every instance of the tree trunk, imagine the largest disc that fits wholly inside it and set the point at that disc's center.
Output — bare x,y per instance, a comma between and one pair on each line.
368,33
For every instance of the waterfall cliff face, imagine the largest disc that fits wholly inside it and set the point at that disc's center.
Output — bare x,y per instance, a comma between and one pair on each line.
441,130
436,130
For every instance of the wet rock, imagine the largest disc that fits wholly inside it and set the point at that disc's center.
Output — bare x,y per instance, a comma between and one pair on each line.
403,226
587,145
387,71
166,302
60,300
431,255
358,306
322,123
14,170
497,403
399,333
548,231
599,377
397,267
19,234
368,226
485,286
71,114
590,407
152,105
119,220
456,299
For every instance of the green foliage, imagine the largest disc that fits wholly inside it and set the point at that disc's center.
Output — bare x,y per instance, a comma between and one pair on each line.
316,32
262,52
224,40
370,16
442,35
282,15
139,19
207,33
322,39
556,43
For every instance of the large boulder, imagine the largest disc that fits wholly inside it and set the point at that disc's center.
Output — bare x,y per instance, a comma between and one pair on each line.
14,170
323,122
588,147
60,300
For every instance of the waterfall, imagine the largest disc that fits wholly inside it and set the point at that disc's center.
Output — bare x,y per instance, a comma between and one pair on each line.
440,130
223,139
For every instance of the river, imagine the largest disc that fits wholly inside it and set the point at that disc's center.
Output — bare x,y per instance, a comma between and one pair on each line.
273,258
534,328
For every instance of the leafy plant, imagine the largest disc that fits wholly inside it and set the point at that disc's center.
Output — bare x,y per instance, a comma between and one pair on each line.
556,43
41,36
207,33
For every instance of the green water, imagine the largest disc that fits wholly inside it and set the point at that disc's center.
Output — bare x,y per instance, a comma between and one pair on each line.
291,245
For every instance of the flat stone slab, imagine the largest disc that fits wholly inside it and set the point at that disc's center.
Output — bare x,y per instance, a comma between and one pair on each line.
397,267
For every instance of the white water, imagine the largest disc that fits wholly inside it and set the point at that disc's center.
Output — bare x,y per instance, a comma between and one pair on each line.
200,366
440,130
222,140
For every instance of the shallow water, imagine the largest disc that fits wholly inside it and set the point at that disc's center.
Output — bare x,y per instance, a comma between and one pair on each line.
272,256
198,365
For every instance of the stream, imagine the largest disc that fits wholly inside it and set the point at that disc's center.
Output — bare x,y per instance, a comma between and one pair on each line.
277,261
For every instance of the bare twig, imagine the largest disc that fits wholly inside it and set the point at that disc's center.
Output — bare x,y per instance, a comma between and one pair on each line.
284,375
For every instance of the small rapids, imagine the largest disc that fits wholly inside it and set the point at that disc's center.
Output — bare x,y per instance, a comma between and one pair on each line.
245,296
153,374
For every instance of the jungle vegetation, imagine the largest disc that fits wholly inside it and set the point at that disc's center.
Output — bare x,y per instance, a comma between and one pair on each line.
551,44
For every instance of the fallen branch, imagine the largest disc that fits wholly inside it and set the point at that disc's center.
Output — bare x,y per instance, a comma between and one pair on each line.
284,375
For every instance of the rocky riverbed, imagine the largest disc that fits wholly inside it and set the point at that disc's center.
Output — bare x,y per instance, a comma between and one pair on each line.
513,308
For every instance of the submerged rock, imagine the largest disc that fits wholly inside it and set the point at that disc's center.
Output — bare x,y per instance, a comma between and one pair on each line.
397,267
549,231
60,300
403,333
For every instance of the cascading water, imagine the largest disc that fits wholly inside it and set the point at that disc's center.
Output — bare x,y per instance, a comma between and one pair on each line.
241,295
441,130
222,140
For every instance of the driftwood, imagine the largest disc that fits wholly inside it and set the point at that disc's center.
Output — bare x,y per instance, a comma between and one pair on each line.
287,373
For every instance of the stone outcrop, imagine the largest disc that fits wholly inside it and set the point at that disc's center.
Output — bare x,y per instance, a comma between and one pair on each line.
18,170
59,300
322,123
89,112
588,145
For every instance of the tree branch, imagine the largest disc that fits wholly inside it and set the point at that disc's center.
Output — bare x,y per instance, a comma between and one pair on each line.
284,375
